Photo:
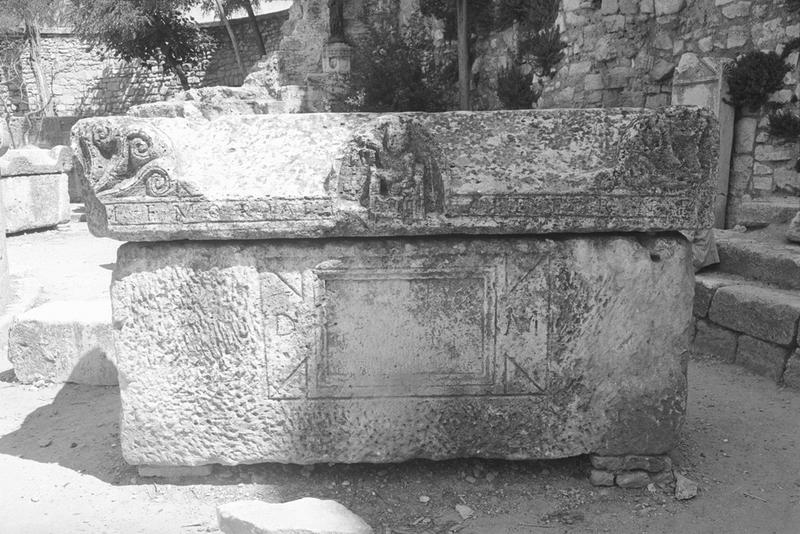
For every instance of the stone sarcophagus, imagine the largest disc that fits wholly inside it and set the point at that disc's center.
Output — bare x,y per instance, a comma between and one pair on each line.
370,288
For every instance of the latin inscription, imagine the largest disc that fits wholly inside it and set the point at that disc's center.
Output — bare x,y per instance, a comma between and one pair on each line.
406,333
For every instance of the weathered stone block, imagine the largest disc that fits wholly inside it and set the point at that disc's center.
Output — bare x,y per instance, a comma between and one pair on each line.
765,313
715,341
598,477
791,376
705,285
763,358
745,135
64,342
35,201
5,279
384,350
668,7
500,172
633,479
303,516
793,232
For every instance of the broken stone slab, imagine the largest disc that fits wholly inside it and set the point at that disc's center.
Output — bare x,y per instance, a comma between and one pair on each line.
366,350
64,341
36,201
212,102
303,516
318,175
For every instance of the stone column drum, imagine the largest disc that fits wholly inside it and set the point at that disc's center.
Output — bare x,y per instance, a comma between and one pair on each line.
374,288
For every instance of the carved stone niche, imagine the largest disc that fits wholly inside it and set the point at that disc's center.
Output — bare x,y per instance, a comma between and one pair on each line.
336,58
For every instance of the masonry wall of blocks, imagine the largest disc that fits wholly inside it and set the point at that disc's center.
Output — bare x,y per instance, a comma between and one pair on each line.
87,84
753,326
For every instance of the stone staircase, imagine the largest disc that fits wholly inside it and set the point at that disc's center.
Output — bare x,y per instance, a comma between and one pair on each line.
747,308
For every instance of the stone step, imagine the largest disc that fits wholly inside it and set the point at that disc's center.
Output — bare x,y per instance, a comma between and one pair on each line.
749,323
64,341
771,261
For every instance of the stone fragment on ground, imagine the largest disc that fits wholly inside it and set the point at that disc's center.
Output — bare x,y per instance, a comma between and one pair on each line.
64,341
685,488
303,516
464,511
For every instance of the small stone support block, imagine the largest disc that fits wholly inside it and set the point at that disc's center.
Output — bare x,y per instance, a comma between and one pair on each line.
631,471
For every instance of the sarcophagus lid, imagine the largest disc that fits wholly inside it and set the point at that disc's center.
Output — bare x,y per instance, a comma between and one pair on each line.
339,175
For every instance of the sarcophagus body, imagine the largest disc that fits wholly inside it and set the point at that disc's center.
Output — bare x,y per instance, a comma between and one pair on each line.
350,288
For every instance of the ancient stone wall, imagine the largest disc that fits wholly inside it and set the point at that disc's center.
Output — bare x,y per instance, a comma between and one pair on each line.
623,53
86,84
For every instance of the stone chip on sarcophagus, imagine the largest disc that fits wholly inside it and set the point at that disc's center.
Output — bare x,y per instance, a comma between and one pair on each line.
370,288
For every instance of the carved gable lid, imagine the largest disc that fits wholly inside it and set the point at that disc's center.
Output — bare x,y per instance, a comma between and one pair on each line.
338,175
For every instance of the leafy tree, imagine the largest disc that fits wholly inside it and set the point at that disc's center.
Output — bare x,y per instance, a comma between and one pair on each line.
144,30
27,18
230,6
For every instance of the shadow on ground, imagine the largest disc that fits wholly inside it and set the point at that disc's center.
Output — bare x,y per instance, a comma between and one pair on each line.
78,430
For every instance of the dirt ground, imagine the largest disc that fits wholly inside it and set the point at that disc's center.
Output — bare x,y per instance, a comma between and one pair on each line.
62,472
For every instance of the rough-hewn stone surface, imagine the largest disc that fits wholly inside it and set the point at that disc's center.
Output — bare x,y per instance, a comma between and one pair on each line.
715,341
793,232
64,342
791,376
705,285
764,358
35,190
35,201
768,314
767,261
303,516
383,350
28,161
5,279
271,176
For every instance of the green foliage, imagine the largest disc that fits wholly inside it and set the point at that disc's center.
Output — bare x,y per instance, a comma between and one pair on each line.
144,30
532,15
401,71
480,16
753,76
546,48
514,89
784,123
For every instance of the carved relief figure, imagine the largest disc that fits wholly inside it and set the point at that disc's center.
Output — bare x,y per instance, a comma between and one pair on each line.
336,14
